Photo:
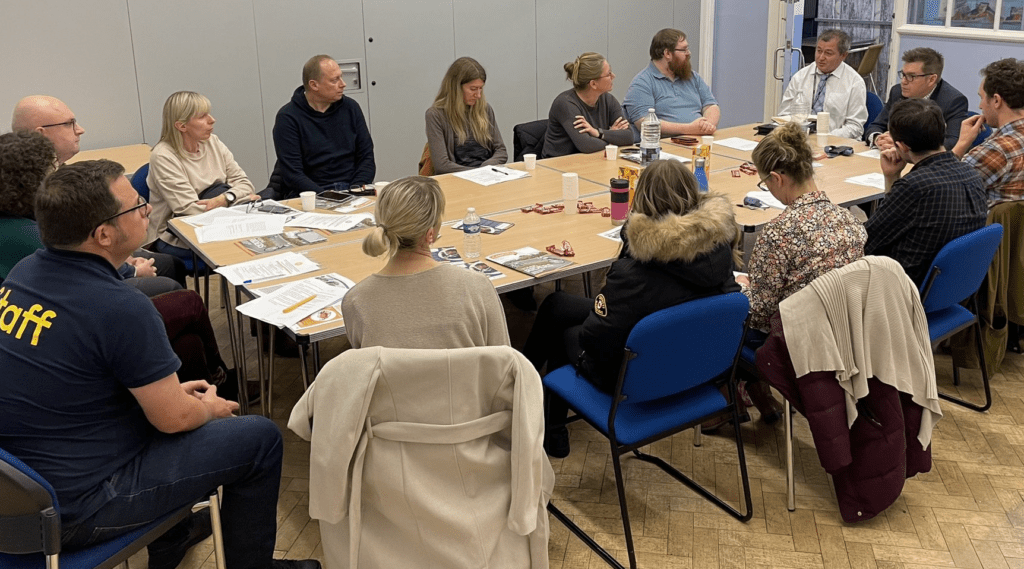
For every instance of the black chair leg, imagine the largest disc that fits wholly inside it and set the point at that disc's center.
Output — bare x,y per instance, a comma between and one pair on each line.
620,485
589,541
984,375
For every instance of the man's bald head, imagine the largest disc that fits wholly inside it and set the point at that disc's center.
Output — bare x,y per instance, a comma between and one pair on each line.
53,119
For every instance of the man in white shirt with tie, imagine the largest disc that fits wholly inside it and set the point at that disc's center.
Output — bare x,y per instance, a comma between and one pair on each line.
832,86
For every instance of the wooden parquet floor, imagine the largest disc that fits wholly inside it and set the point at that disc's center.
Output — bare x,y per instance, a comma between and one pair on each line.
967,512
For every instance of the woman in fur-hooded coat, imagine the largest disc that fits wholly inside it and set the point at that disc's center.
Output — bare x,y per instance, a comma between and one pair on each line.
678,245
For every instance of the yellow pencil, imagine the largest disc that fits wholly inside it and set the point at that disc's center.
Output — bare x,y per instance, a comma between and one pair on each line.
297,304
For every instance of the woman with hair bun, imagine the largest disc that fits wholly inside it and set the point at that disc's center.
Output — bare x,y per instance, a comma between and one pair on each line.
587,117
810,238
415,301
462,132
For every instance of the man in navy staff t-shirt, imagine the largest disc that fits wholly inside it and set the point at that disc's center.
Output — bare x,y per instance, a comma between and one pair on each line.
92,400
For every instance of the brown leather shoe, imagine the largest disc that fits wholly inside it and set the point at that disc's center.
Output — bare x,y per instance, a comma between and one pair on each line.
761,394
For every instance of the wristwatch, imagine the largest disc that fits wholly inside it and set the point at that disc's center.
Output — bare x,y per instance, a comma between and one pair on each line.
230,197
600,134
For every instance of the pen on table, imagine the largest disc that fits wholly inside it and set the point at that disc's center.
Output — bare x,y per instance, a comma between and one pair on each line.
499,171
297,304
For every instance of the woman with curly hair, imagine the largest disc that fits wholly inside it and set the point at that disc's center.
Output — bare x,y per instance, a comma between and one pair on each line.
25,159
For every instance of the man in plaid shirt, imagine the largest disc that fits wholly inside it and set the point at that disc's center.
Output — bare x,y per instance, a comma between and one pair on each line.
939,199
1000,159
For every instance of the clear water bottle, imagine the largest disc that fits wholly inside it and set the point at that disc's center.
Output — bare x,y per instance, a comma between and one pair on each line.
471,237
800,109
650,138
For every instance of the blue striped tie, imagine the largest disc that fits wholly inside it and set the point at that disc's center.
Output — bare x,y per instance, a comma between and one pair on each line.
819,96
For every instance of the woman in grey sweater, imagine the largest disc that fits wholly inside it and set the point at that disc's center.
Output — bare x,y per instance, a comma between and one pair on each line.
461,130
587,117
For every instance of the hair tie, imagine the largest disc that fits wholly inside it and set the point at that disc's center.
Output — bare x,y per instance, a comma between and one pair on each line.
382,228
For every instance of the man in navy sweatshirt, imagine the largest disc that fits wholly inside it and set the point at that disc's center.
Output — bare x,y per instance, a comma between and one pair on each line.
321,137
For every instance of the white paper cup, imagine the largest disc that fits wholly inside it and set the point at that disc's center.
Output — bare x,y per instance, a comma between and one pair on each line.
378,186
570,191
530,160
611,152
824,126
308,200
707,140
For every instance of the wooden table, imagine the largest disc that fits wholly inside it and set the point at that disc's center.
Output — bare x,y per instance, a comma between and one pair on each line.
132,157
342,253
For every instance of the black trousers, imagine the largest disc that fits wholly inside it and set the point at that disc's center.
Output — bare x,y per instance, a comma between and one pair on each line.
554,341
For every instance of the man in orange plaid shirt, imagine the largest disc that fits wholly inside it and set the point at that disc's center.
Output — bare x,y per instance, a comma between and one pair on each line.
1000,159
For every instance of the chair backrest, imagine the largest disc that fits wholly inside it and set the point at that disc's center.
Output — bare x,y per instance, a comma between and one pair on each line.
870,59
874,107
139,181
959,268
683,346
29,518
528,138
985,131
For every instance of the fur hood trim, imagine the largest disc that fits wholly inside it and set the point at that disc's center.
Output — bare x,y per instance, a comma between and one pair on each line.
675,237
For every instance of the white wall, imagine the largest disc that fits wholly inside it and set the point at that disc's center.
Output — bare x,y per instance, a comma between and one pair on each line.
115,61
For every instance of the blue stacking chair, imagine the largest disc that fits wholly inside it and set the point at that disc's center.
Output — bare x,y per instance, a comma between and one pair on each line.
192,263
955,276
874,107
675,361
30,526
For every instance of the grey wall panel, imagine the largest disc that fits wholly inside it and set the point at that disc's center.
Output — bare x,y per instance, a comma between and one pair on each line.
565,29
629,38
79,52
741,39
413,44
508,51
210,48
687,19
285,40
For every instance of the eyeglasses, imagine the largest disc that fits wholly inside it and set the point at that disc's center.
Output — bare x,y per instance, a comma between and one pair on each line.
684,50
610,74
910,76
761,186
833,151
141,205
73,123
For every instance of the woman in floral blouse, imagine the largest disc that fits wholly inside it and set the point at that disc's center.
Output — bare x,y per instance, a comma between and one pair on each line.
811,237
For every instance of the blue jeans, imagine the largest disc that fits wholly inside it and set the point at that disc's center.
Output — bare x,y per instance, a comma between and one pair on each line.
243,454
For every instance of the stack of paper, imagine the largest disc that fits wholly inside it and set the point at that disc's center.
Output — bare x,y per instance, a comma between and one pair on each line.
289,304
276,266
490,175
874,180
232,228
331,221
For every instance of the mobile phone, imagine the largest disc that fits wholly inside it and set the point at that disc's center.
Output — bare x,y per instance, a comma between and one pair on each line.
334,195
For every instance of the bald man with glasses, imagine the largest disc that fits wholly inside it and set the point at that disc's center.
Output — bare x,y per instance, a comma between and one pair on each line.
53,119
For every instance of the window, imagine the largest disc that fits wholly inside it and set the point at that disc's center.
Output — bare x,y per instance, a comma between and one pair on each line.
976,14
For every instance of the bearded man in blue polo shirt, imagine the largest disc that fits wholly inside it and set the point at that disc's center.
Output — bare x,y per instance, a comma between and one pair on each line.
669,85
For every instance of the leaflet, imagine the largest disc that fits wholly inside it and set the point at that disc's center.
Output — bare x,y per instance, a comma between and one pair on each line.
737,143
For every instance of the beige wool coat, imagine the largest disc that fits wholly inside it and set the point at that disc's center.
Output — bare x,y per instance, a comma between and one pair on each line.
428,459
